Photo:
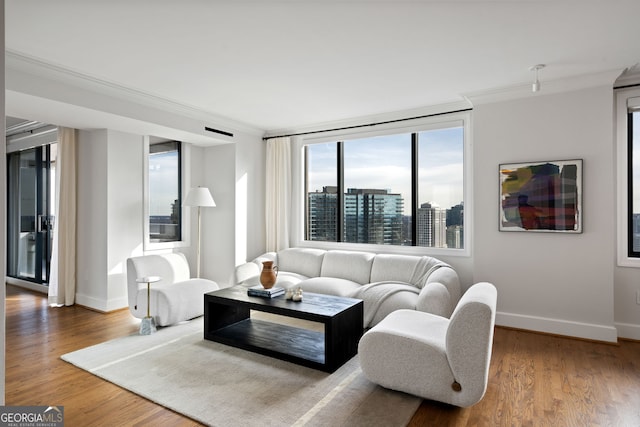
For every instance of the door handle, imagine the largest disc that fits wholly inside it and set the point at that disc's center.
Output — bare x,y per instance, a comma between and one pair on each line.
45,223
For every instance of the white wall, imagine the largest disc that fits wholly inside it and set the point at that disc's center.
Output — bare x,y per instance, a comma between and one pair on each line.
250,198
124,211
109,215
92,218
550,282
218,224
233,231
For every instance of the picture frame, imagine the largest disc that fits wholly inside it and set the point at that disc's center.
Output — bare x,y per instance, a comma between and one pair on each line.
544,196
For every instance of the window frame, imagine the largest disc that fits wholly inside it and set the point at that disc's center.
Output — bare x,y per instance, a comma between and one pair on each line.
185,159
434,122
625,99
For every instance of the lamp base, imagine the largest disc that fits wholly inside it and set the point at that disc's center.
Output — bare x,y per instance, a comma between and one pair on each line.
148,326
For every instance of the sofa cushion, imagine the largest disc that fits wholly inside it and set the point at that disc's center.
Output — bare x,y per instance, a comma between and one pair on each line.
329,286
354,266
387,267
304,261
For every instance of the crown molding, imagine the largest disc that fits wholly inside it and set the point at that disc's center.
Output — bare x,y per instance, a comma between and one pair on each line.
48,71
629,77
547,87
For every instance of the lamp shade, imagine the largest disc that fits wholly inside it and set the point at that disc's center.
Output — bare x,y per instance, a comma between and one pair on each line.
199,196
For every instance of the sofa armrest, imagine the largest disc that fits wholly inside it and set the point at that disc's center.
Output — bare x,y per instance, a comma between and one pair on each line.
252,268
435,298
245,271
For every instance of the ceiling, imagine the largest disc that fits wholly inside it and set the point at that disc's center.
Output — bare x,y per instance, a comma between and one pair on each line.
290,64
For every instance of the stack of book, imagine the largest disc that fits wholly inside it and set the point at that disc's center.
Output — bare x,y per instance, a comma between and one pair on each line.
259,291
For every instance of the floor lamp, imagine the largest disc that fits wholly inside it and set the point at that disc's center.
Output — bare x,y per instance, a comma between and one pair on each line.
200,197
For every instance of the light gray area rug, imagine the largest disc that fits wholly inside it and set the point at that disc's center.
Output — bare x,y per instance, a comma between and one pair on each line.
220,385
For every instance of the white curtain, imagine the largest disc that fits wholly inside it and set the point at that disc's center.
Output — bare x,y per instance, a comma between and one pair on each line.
278,193
62,282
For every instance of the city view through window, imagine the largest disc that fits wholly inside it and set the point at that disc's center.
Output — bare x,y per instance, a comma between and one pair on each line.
377,183
164,192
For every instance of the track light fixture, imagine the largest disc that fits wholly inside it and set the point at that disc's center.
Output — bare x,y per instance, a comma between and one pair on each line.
536,83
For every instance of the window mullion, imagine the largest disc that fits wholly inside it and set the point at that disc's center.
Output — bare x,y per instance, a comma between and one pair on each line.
340,195
630,225
414,189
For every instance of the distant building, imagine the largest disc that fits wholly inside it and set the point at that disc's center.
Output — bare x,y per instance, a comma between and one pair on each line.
455,215
323,215
431,226
455,237
373,216
455,226
370,216
636,232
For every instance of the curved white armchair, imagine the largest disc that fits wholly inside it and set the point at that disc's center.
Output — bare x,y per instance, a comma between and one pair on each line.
176,297
431,356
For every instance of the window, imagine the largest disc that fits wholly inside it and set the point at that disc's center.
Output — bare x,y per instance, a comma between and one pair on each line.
165,192
400,188
628,185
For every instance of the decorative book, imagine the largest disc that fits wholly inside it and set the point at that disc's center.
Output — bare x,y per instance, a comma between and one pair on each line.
259,291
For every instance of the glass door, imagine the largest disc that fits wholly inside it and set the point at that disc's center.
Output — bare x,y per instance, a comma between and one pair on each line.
30,213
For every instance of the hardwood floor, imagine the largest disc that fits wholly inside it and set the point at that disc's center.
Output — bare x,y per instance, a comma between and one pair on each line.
543,380
37,335
535,380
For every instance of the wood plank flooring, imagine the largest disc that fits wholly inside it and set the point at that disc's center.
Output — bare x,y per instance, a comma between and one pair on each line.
535,380
37,335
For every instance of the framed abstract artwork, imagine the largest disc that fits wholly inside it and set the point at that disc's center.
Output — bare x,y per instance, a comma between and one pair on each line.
541,196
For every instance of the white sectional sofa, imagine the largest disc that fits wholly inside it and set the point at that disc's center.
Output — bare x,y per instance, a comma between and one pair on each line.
385,282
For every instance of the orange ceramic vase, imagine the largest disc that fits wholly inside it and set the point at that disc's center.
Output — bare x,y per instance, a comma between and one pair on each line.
268,275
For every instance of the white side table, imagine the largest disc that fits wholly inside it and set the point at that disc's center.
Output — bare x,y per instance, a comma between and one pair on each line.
148,326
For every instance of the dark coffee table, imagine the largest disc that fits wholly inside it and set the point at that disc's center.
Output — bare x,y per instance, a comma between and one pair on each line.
227,320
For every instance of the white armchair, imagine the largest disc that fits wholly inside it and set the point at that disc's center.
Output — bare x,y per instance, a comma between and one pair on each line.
176,297
431,356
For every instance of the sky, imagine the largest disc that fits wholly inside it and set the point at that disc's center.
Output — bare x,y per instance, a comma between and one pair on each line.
163,185
384,162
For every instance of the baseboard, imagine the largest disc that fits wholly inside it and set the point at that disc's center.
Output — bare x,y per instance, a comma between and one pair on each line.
100,304
558,327
43,289
628,331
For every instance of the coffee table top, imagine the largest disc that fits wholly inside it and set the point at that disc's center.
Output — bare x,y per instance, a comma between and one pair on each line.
316,304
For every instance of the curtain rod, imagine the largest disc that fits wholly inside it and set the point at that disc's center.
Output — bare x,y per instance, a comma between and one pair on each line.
266,138
626,86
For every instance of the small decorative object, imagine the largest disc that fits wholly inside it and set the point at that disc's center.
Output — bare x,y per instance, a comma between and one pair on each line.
259,291
268,275
297,296
541,196
289,294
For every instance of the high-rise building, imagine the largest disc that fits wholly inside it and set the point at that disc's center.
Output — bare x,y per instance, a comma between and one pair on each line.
373,216
370,216
376,216
455,215
455,226
323,215
636,232
455,236
431,226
